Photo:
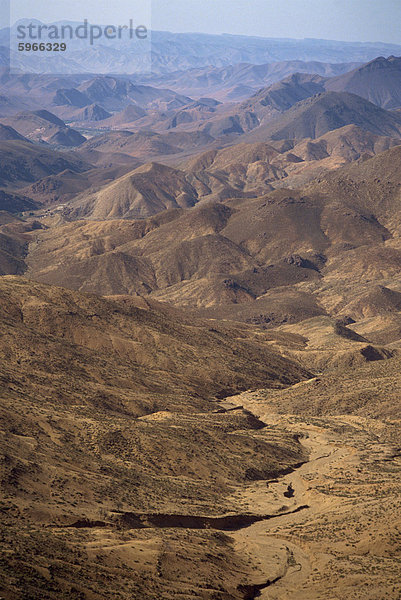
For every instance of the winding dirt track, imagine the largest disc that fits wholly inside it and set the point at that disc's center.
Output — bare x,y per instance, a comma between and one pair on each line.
344,544
329,530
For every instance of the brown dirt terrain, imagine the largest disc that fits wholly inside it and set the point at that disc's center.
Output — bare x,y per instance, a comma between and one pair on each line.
331,248
345,542
209,405
117,486
98,431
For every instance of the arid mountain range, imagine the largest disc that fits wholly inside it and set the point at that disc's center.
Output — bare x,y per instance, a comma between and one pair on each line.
200,314
172,52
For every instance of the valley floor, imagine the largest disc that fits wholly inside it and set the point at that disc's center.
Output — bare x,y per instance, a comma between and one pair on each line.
346,542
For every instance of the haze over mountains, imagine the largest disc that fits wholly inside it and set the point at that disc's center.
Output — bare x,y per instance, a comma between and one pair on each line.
171,52
200,308
236,82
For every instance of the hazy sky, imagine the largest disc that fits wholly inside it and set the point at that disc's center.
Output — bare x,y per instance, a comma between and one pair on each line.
348,20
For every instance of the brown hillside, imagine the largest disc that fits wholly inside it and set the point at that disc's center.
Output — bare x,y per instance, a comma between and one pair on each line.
378,81
108,406
23,163
149,189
